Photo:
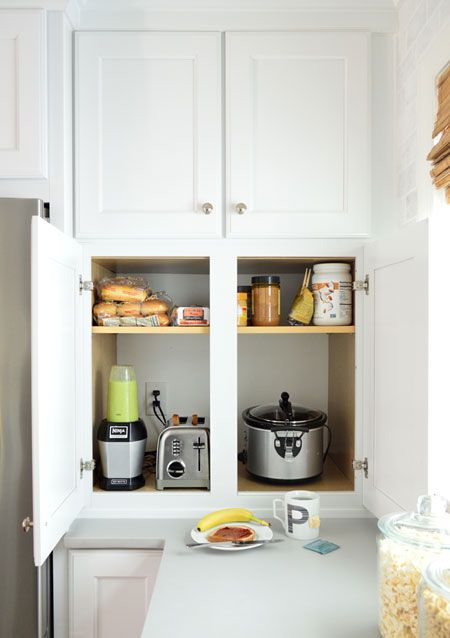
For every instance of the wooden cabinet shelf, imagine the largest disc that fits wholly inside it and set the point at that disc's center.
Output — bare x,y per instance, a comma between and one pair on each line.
289,330
167,330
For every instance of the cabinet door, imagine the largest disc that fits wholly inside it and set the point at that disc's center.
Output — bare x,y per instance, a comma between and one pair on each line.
109,591
56,373
148,134
22,74
396,371
297,134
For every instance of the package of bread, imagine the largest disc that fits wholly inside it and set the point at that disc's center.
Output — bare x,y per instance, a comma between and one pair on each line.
236,533
153,320
103,310
128,322
109,322
123,288
190,316
129,309
154,306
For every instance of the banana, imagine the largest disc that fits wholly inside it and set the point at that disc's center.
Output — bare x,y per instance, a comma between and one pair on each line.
230,515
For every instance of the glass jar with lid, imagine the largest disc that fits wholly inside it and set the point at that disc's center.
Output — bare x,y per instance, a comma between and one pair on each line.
408,542
266,300
434,600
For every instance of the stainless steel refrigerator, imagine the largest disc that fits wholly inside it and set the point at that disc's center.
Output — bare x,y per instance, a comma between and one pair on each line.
25,591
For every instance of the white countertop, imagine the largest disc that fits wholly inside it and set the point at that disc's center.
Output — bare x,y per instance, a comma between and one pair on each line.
274,591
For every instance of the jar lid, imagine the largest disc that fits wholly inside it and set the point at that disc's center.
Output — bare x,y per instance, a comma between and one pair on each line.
437,576
244,288
428,526
266,279
283,414
340,267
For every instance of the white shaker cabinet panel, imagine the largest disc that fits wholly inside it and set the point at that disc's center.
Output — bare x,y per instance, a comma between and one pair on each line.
297,134
148,134
396,370
57,428
22,102
109,591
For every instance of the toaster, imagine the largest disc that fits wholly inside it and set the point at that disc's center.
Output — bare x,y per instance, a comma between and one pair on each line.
182,457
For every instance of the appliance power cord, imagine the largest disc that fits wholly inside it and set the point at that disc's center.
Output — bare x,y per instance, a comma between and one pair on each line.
330,439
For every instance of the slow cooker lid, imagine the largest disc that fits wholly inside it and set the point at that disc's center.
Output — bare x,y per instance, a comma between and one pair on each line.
273,414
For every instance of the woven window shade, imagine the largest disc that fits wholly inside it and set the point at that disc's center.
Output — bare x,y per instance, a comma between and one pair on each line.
440,153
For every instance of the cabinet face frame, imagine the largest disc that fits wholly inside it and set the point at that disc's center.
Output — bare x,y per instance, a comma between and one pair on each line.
223,255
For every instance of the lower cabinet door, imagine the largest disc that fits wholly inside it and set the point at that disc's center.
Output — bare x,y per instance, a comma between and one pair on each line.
110,591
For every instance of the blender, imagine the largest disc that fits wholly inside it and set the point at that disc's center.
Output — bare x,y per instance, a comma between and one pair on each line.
122,436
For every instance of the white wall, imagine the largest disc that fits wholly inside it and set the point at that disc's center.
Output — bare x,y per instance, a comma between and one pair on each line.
420,22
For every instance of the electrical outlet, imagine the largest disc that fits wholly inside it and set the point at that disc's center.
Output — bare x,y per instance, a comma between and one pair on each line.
163,388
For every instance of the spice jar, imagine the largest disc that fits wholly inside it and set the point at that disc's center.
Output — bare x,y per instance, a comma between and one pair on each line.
408,543
434,600
244,305
266,300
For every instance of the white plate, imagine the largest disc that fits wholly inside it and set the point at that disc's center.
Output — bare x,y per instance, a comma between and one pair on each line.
263,533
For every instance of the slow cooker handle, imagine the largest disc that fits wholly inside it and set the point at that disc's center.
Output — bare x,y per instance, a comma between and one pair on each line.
286,406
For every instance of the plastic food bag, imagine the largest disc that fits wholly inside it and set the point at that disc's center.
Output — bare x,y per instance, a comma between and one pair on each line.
302,308
125,288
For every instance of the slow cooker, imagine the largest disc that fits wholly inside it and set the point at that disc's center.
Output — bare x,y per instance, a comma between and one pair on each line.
285,441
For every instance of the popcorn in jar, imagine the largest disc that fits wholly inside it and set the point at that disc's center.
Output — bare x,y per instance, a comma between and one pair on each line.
408,542
434,600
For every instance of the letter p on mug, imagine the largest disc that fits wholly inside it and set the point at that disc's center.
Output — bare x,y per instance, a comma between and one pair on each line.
300,514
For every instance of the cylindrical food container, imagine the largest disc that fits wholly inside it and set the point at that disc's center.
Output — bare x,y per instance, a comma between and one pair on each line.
266,300
407,544
434,600
244,305
332,291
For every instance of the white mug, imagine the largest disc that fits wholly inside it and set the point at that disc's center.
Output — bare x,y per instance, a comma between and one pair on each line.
300,514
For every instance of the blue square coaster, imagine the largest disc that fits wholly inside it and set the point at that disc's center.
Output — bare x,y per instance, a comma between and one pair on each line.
321,547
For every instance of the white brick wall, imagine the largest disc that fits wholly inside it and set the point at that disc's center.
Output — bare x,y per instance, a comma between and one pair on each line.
419,23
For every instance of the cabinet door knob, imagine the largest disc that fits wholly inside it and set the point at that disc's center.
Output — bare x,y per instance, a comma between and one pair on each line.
27,524
207,208
241,208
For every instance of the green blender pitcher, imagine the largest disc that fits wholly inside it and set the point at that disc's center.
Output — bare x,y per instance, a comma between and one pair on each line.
122,395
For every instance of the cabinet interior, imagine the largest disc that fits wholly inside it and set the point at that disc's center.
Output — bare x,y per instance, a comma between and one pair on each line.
166,355
317,369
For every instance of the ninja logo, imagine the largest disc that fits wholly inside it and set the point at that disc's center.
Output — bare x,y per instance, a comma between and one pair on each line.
304,516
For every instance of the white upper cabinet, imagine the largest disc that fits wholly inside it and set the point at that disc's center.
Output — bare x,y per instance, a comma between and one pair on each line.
395,401
297,134
148,134
56,373
22,102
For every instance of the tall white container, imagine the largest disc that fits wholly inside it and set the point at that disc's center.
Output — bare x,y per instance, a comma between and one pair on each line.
332,291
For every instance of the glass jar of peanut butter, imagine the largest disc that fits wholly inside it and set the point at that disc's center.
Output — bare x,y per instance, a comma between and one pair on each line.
266,300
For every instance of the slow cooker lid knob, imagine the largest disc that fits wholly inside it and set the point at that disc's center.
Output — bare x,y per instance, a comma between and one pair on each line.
286,406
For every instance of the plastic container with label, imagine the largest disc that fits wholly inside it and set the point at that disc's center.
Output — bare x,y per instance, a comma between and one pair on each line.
434,600
244,305
332,291
266,300
408,543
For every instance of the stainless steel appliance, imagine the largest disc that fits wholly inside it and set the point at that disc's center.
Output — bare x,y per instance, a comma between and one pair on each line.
25,592
122,435
183,455
285,441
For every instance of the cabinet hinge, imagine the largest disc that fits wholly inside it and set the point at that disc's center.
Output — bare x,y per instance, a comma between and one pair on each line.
88,466
360,286
85,285
361,465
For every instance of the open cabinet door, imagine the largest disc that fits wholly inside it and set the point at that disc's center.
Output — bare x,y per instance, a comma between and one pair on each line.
396,370
56,410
